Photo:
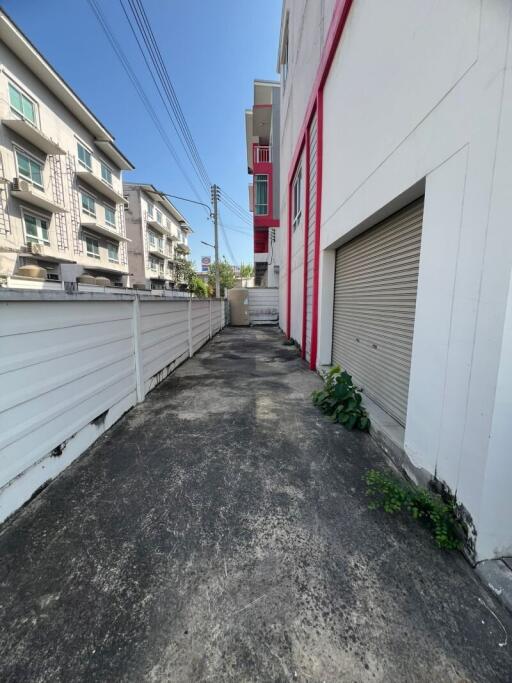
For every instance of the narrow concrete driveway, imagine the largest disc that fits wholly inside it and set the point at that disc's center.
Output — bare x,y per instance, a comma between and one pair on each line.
220,532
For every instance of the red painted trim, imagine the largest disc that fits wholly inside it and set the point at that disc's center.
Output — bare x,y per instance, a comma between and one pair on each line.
338,21
306,244
289,273
339,17
318,219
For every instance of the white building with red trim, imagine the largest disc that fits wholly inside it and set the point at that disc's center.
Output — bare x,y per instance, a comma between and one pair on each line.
396,238
262,142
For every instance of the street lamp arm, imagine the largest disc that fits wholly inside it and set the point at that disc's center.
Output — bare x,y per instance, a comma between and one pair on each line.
184,199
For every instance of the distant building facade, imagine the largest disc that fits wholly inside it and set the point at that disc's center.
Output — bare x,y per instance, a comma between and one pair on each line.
61,197
158,235
262,142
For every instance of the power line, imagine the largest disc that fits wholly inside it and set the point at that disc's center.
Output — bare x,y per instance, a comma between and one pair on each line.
235,203
179,110
179,121
139,89
166,106
228,246
236,212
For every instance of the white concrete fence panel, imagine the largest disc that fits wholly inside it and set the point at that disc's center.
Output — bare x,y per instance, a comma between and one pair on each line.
72,364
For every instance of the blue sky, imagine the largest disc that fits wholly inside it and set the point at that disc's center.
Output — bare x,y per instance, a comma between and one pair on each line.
213,49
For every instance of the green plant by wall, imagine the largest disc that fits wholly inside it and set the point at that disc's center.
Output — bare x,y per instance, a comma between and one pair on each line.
393,496
198,287
342,400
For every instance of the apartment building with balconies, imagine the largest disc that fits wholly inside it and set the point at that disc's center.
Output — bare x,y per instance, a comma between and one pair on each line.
262,140
61,197
158,238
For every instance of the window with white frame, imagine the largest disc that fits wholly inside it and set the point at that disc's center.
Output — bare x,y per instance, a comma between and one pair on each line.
36,229
150,210
92,246
110,216
153,264
84,156
151,238
88,204
30,169
297,198
113,252
261,195
22,105
106,174
159,217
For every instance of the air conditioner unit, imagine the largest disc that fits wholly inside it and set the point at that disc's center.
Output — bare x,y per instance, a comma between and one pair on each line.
20,185
35,248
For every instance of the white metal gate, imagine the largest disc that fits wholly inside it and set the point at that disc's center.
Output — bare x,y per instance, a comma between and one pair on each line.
263,305
374,306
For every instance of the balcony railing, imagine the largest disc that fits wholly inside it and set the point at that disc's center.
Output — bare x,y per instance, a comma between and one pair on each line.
262,154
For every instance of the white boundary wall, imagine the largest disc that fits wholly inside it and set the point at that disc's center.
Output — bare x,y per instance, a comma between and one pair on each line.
72,364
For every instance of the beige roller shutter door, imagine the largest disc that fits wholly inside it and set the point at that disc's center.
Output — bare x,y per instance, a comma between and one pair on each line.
374,306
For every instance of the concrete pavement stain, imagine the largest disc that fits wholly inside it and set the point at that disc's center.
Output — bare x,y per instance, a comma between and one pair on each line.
220,532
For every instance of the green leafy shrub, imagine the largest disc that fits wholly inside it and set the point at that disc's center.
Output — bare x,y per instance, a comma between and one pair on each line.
440,516
198,287
342,400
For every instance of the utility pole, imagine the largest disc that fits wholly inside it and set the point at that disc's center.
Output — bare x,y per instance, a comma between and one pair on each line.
215,197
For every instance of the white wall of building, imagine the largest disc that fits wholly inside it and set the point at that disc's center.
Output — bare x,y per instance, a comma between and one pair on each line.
418,99
71,365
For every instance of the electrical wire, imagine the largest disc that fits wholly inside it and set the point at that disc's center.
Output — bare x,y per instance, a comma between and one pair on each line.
179,110
236,212
228,245
168,97
139,90
236,204
178,119
165,103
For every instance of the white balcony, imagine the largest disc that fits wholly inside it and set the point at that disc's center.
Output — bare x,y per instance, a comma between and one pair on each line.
100,186
262,154
156,250
105,230
26,192
156,226
29,132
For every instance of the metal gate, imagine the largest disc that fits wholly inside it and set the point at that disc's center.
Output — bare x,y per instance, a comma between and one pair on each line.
374,307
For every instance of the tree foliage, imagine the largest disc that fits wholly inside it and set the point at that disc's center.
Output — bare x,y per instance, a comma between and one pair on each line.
185,271
226,274
198,287
246,270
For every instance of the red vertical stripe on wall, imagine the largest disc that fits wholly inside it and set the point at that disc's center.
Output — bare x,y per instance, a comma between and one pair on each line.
339,18
318,217
289,259
306,241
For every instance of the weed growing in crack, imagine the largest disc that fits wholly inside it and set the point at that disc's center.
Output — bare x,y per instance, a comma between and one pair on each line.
438,515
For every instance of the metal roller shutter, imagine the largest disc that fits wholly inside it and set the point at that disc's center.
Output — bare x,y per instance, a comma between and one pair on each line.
374,305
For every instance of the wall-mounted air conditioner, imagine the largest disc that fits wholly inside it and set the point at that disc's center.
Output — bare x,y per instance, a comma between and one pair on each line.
20,185
35,248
